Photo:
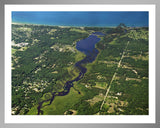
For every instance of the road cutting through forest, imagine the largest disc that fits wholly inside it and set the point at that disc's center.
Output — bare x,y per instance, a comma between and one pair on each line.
114,75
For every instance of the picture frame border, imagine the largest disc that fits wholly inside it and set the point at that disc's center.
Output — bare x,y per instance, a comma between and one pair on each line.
2,53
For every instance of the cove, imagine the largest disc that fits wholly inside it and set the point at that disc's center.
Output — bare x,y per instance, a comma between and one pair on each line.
87,46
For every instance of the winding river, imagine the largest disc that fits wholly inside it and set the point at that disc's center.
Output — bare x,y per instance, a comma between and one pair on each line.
87,46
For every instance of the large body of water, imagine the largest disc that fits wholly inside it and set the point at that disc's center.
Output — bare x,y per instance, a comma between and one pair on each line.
74,18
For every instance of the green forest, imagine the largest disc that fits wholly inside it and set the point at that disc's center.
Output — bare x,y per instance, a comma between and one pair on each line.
43,59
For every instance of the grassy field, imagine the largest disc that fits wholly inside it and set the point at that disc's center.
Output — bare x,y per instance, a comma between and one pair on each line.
13,50
62,103
79,56
33,110
78,30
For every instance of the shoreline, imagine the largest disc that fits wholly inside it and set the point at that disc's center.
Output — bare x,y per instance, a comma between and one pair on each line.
63,26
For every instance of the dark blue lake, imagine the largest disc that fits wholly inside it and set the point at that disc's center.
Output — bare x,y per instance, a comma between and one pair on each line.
87,45
82,18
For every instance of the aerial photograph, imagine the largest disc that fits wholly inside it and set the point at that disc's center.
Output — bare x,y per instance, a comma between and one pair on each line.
80,63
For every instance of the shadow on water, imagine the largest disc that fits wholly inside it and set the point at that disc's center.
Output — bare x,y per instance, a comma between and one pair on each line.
86,46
